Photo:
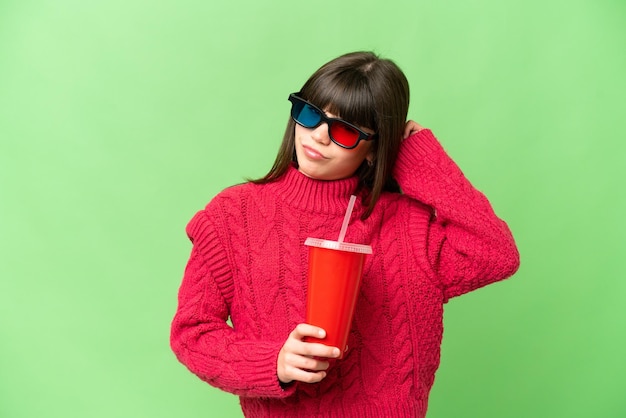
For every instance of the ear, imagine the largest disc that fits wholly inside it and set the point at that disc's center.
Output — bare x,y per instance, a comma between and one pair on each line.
370,157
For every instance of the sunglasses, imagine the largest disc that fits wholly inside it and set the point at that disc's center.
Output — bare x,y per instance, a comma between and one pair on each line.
342,133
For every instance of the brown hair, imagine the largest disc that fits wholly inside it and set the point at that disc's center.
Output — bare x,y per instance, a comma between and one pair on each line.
367,91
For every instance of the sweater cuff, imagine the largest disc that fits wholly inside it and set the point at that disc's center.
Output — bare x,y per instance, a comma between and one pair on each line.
416,147
260,372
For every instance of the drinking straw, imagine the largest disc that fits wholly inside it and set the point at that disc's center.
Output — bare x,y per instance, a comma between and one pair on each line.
346,219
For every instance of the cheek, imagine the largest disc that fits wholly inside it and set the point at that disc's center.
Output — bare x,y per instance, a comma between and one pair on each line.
352,159
297,134
361,152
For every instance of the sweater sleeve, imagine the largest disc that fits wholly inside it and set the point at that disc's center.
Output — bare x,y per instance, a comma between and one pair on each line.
467,245
200,336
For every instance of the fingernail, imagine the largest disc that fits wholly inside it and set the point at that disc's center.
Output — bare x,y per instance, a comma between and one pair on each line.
336,352
321,333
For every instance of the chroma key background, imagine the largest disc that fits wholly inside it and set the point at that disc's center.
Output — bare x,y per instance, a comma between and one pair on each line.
120,119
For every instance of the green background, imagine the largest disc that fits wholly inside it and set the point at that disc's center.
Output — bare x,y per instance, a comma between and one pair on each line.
120,119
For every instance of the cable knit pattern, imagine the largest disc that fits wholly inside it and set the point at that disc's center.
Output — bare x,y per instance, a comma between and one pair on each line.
437,240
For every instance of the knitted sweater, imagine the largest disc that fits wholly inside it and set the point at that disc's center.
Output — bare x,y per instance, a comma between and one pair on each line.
437,240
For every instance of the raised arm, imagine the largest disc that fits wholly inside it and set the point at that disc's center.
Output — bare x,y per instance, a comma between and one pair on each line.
468,246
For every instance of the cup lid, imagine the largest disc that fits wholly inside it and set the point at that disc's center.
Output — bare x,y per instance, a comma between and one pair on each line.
336,245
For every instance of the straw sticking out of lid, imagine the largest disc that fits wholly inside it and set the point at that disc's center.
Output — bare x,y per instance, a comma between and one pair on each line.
346,219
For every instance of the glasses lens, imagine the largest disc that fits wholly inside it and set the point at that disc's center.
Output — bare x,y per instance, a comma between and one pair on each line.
344,134
305,115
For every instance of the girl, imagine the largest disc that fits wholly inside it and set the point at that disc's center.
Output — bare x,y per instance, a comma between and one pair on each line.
433,235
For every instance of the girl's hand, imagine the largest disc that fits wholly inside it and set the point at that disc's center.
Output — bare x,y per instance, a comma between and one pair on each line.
299,360
411,128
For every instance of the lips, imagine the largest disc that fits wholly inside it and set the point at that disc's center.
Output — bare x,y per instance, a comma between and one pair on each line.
312,153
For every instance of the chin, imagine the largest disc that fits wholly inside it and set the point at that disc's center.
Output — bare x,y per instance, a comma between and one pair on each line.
321,175
313,174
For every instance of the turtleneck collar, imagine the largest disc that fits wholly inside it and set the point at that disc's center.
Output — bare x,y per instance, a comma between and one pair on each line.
321,196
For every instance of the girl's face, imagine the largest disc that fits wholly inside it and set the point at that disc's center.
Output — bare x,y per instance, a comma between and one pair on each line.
322,159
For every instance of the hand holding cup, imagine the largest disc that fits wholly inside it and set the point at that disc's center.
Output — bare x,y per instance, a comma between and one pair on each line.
304,361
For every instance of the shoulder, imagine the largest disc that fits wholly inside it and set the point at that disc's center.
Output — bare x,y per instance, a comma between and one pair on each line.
222,210
400,204
230,198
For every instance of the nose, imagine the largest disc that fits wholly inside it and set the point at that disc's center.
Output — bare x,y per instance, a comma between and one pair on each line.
320,134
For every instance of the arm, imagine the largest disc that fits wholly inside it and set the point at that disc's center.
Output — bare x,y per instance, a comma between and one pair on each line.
468,246
200,336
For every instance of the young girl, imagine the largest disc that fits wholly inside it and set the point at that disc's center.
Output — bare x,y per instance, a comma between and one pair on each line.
433,235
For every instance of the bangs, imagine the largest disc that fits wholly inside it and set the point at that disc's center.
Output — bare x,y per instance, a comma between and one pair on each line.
345,95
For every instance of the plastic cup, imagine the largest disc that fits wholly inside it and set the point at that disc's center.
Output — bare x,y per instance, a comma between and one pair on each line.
334,278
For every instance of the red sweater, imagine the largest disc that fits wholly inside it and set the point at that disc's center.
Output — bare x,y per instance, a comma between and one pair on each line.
437,240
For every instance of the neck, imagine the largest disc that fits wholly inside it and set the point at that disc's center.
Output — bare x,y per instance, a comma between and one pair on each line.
297,190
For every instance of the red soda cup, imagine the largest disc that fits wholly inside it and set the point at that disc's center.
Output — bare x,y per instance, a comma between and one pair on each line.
334,279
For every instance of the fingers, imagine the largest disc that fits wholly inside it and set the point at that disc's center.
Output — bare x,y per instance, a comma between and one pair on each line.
306,330
311,349
304,361
411,128
304,369
300,375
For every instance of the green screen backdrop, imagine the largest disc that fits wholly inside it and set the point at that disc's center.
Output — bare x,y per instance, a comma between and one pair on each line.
120,119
